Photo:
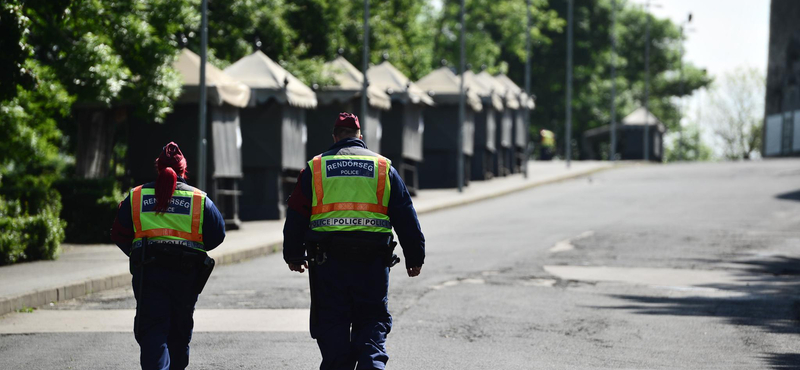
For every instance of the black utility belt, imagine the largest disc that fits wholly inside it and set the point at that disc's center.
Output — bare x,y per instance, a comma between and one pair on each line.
175,242
171,256
319,252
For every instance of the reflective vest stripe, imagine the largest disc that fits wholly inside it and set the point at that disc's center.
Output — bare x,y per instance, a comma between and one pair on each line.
321,207
137,208
349,206
381,182
194,236
318,178
197,209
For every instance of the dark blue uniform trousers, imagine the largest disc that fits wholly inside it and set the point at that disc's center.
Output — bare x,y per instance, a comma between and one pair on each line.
352,317
164,309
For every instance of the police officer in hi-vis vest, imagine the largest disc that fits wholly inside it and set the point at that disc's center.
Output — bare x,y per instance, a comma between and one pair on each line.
339,226
166,227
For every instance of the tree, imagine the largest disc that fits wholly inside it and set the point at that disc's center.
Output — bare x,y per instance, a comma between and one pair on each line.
495,34
495,38
31,100
736,112
688,146
112,57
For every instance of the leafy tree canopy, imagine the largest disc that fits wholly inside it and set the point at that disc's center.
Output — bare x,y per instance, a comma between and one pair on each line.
496,40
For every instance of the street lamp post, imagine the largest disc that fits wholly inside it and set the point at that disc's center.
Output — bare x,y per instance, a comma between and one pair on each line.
647,86
527,86
568,139
613,150
365,64
461,103
201,142
680,120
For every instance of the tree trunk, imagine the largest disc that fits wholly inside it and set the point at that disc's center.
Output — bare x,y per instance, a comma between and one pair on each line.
96,129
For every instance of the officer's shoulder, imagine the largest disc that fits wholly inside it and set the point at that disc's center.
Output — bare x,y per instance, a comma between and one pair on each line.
187,187
148,185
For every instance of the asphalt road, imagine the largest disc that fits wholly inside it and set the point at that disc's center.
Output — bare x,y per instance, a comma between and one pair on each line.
690,266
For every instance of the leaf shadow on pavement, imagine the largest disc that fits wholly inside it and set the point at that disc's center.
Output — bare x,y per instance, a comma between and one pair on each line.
783,360
792,195
766,294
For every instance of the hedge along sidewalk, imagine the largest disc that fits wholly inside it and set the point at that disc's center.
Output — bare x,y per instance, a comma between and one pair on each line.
85,269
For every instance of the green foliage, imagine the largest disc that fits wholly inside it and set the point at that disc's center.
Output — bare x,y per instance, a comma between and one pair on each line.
89,207
495,33
29,238
736,112
302,35
688,146
496,39
29,156
235,27
108,52
13,27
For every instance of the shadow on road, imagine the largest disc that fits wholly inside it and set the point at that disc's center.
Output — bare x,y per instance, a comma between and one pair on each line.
768,297
792,195
783,360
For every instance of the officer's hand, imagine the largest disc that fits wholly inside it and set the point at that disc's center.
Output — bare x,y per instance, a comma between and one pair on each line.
414,271
298,267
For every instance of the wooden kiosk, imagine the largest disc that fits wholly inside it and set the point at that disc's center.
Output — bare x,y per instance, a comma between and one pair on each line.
274,135
345,96
403,125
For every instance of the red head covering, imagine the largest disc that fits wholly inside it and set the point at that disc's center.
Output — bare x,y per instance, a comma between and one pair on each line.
170,164
348,120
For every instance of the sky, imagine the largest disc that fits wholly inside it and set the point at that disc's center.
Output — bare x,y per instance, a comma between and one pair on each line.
724,34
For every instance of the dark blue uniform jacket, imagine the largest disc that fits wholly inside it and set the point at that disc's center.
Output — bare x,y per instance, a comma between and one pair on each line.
401,214
213,223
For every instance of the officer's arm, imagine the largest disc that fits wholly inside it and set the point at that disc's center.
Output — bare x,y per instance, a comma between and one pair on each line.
122,229
406,225
298,214
213,226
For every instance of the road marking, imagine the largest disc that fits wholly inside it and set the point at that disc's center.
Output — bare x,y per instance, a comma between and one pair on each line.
548,283
457,282
566,244
223,320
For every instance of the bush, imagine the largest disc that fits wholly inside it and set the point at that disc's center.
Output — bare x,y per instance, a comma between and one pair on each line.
28,238
89,208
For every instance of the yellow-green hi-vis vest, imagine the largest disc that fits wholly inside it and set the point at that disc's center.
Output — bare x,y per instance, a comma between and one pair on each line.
350,193
181,224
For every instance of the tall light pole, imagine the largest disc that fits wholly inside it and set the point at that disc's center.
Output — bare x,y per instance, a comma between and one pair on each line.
201,142
365,64
613,149
527,86
568,139
680,120
461,107
647,86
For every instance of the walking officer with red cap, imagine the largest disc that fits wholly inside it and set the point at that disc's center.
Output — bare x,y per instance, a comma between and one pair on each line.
339,227
166,227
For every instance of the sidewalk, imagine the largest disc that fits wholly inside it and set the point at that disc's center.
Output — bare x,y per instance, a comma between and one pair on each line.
84,269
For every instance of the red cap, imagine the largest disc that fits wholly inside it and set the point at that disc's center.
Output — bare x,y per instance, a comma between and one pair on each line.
348,120
171,156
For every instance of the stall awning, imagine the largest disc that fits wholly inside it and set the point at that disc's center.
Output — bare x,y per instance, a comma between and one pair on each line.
525,100
444,86
349,82
510,100
271,81
221,87
387,78
484,90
